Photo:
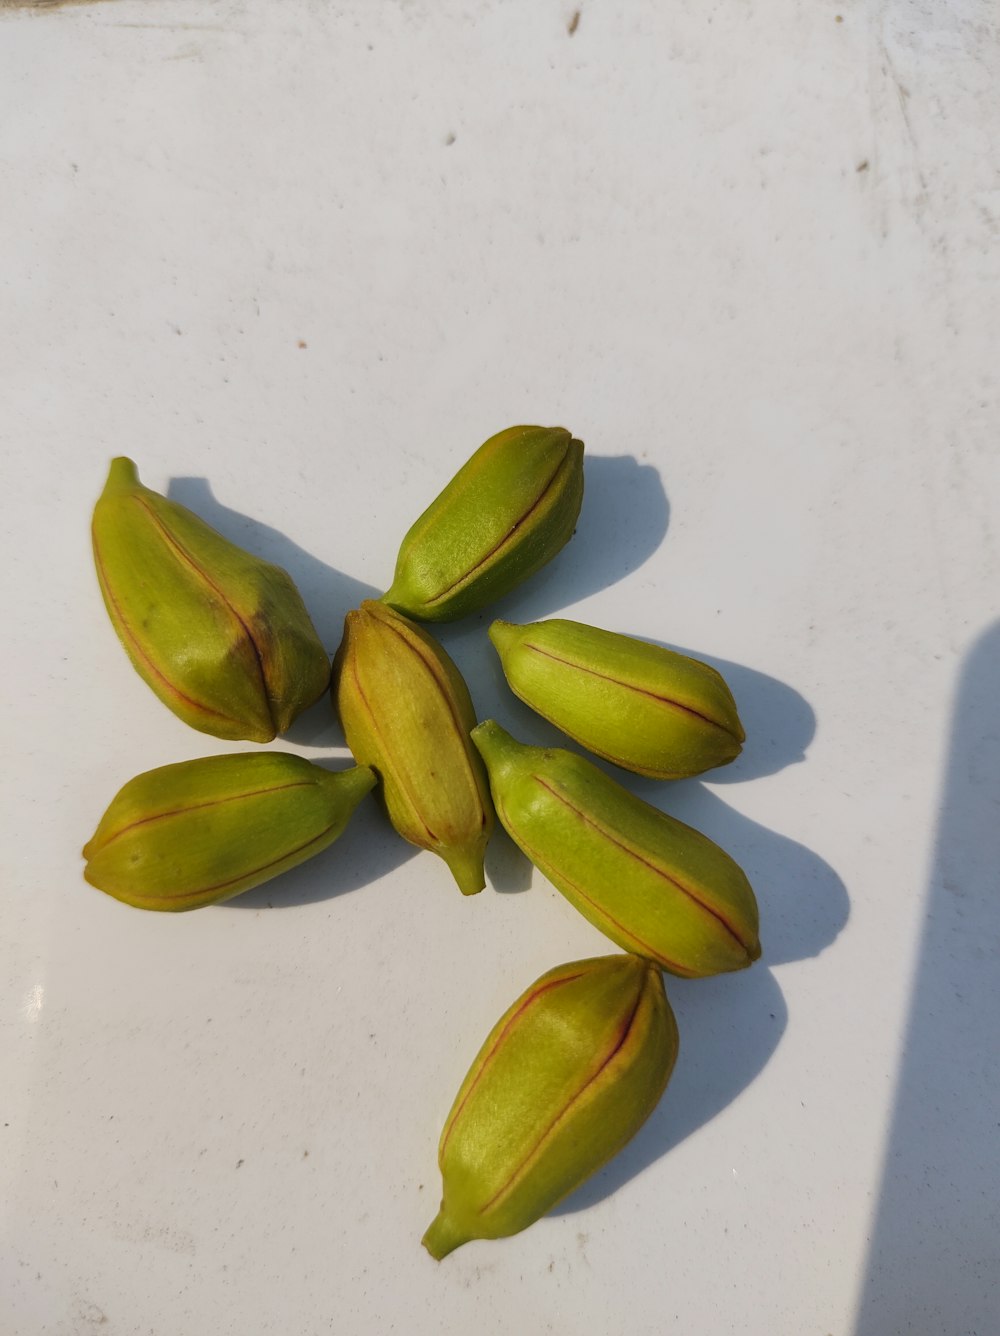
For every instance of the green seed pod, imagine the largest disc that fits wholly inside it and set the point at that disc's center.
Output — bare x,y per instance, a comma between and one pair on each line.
650,883
567,1076
406,712
222,637
505,513
202,831
646,708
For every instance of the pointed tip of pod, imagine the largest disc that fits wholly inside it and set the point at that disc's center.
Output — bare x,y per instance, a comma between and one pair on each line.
556,434
467,868
502,634
495,745
489,736
123,476
443,1236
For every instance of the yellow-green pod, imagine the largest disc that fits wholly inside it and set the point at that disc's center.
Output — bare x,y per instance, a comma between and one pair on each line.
201,831
506,512
650,883
646,708
567,1076
222,637
407,713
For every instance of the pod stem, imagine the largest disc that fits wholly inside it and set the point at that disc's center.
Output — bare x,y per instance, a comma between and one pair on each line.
497,748
467,868
443,1236
123,476
348,785
502,634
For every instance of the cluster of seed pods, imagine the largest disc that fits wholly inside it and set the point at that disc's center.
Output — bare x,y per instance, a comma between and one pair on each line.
579,1061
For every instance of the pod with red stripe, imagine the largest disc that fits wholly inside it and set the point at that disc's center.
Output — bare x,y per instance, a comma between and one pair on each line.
652,884
221,636
406,711
564,1080
644,707
507,511
202,831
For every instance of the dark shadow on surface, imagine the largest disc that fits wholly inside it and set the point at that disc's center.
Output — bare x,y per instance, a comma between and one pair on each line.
622,522
318,727
368,849
934,1257
731,1024
729,1028
507,869
803,902
778,721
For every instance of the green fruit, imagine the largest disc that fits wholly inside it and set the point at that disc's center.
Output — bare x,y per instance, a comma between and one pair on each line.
567,1076
406,712
202,831
506,513
222,637
646,708
650,883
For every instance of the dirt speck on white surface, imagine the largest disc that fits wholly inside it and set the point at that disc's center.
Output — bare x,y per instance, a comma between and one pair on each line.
91,1314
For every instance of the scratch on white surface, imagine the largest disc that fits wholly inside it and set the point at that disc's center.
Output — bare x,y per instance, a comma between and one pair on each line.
902,99
928,72
159,1236
190,51
172,27
47,4
896,159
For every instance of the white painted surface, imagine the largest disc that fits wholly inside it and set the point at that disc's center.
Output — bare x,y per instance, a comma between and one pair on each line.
750,255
